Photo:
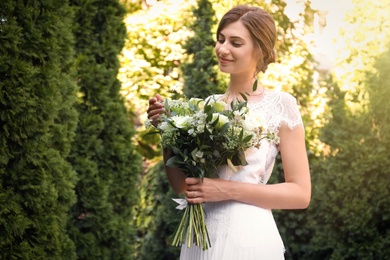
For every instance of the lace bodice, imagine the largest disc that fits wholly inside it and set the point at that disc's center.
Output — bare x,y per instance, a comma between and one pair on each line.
276,108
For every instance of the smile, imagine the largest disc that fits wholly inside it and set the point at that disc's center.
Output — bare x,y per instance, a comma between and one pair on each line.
224,61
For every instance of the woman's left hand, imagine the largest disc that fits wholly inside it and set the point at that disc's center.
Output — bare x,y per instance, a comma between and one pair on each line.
208,190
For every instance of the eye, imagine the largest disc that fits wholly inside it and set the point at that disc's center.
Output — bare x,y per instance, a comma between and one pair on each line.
236,44
220,40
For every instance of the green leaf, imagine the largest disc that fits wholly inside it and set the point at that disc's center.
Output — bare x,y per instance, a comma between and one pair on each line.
247,138
225,127
217,154
254,87
209,117
174,161
193,153
244,96
241,134
239,158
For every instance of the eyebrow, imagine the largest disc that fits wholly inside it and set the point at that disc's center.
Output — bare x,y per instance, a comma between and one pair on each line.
232,37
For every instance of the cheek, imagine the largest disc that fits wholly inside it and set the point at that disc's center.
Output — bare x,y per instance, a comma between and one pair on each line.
258,54
216,47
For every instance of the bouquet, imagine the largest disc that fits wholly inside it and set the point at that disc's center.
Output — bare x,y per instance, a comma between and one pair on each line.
204,135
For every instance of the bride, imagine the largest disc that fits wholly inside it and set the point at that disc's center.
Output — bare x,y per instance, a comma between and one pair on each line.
238,204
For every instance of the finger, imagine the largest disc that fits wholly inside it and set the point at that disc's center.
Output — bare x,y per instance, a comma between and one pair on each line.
155,117
196,200
154,106
155,114
192,194
152,100
159,98
192,181
155,109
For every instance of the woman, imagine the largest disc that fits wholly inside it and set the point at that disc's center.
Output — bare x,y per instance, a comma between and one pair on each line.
238,204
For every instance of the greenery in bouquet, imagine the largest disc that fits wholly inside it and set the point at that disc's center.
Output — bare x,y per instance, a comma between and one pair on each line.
204,135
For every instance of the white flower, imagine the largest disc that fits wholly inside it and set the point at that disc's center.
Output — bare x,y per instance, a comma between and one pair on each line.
219,105
178,107
199,154
222,120
196,102
192,132
182,122
165,126
251,121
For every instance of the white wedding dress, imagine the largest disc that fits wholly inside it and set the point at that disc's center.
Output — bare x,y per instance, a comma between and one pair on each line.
241,231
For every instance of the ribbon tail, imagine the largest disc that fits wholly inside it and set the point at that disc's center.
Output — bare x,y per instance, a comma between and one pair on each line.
182,203
231,166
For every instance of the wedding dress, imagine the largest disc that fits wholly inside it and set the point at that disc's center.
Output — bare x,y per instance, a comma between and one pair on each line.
238,230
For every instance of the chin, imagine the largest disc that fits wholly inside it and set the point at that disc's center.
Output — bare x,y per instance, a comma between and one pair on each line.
224,70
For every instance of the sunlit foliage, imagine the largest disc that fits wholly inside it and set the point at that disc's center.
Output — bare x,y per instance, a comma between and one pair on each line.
103,154
349,215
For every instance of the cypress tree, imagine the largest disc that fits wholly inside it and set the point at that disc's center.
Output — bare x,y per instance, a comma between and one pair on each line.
157,217
200,74
37,124
103,154
351,219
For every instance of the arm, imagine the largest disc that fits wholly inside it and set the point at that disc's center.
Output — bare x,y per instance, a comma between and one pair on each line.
294,193
175,176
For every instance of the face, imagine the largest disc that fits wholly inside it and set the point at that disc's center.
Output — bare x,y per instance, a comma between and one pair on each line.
235,50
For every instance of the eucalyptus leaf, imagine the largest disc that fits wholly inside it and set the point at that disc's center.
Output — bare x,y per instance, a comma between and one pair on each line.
247,138
254,87
244,96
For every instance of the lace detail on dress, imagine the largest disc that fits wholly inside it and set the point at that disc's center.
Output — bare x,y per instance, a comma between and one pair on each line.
278,108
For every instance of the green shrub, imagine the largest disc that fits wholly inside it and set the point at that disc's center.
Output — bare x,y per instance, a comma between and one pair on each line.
37,122
103,153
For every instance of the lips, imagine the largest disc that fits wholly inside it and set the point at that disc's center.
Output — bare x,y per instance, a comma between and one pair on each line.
224,60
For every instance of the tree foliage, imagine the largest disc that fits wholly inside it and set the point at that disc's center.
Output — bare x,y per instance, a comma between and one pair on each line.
363,36
151,59
103,153
351,216
37,121
200,72
153,53
349,213
156,216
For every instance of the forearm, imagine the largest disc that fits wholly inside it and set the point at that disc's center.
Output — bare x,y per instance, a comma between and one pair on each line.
175,176
273,196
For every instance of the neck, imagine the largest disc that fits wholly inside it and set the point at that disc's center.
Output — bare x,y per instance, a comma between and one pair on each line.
239,85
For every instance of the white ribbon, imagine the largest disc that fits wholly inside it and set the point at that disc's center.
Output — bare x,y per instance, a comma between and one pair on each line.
231,165
182,203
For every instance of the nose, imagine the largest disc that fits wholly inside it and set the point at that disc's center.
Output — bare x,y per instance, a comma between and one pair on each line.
222,49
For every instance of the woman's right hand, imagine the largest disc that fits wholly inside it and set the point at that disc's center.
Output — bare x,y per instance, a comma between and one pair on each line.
155,109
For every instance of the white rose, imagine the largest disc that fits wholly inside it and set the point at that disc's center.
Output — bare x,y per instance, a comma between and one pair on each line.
219,106
196,102
165,126
222,120
252,121
182,122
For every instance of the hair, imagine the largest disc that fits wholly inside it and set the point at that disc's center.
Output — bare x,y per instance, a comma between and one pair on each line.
261,27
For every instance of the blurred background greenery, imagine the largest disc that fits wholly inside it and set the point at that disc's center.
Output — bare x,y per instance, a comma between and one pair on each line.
80,181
